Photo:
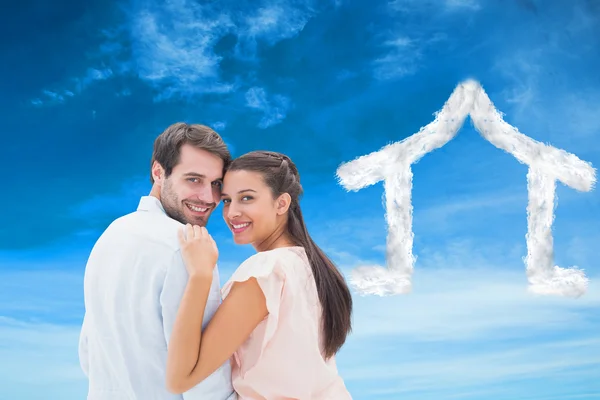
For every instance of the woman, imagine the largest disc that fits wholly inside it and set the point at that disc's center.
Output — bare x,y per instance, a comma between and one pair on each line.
286,310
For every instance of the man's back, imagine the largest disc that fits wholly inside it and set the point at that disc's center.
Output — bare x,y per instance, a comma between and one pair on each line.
134,281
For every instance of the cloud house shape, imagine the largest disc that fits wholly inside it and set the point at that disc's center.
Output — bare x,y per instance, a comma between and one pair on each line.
392,165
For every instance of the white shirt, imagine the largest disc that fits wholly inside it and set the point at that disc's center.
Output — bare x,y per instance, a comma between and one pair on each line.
134,280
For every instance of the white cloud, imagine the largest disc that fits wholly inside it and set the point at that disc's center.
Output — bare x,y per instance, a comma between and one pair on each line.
274,108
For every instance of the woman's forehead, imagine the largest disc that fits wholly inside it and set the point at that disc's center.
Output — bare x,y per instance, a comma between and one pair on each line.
247,179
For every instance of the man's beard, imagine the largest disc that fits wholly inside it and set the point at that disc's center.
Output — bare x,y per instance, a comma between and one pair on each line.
170,202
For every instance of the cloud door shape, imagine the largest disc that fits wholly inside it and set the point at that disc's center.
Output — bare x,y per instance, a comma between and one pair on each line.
392,165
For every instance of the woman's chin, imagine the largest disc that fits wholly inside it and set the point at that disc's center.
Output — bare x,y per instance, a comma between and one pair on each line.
237,239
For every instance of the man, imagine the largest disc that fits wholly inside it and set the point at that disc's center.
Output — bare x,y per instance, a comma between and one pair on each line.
135,276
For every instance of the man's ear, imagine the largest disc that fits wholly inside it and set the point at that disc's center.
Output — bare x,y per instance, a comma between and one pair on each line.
283,203
158,173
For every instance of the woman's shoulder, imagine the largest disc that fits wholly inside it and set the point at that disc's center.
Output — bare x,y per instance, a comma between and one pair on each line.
282,256
283,261
276,266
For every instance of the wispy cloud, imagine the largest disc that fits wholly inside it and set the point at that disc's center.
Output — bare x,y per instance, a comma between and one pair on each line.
76,86
472,371
462,4
401,59
536,88
434,6
472,301
469,329
113,204
171,45
278,21
441,215
39,361
274,108
180,59
468,326
403,51
219,125
26,294
269,24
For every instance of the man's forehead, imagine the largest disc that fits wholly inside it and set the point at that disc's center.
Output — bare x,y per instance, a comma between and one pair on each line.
200,163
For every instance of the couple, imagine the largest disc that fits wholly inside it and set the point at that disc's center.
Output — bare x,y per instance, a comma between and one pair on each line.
158,325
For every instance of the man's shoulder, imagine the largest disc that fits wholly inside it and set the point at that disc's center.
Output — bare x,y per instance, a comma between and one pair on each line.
148,227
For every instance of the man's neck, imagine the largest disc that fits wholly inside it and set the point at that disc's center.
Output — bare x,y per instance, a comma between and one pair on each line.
155,192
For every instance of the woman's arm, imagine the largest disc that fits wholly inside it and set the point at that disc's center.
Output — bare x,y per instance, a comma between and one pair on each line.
193,355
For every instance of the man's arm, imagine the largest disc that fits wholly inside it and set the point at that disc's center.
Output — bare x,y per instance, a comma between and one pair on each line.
83,347
217,385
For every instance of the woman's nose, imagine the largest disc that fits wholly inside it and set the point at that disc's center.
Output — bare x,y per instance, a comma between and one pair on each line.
232,212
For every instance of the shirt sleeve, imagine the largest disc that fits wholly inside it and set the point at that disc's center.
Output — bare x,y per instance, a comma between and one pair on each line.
270,274
217,385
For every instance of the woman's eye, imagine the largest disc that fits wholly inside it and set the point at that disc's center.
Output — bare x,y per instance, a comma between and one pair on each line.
246,198
225,201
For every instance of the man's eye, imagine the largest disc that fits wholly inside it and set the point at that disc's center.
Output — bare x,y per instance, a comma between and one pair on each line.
217,184
193,180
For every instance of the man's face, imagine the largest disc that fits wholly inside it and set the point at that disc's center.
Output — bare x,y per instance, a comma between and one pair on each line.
193,190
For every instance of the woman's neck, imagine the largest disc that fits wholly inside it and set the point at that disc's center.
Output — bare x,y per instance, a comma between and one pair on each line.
277,240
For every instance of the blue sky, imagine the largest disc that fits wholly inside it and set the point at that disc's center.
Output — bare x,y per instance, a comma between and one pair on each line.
87,86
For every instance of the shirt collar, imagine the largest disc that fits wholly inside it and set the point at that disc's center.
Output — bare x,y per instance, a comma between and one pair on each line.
151,204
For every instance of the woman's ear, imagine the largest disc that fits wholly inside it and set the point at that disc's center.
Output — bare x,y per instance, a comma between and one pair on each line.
283,203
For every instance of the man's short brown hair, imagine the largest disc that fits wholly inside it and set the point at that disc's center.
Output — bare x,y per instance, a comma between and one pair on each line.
167,146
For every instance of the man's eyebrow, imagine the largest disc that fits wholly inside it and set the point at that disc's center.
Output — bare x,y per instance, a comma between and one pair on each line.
194,174
241,191
201,176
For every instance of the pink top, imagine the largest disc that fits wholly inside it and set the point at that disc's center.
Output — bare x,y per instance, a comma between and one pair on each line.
282,358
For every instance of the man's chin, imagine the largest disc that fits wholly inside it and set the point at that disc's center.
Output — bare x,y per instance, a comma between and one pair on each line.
197,220
202,221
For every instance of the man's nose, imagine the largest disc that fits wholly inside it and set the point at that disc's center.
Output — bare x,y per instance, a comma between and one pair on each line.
207,194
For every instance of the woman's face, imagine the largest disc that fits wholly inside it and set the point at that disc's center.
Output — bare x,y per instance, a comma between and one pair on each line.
249,209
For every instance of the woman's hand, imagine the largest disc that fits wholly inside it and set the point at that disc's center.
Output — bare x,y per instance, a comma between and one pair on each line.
199,250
